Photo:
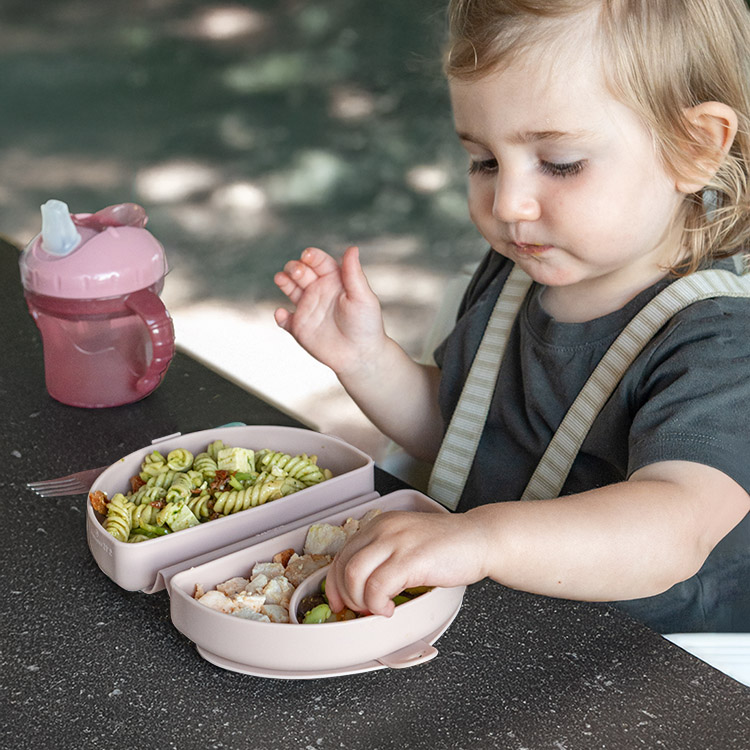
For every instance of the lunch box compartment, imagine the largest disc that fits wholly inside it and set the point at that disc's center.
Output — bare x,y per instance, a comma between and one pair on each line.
306,651
136,566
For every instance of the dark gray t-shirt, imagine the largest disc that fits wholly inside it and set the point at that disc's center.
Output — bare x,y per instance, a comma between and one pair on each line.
686,397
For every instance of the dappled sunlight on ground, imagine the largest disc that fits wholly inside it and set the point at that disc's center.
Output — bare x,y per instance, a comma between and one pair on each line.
222,23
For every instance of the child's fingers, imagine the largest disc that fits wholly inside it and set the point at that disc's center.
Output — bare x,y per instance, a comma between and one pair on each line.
319,261
356,580
300,273
287,285
343,589
284,282
335,600
282,318
377,596
370,597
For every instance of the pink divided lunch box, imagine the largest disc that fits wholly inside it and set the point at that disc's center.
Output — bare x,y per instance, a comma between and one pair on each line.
218,550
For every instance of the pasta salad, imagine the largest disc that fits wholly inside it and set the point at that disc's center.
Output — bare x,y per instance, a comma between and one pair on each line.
181,490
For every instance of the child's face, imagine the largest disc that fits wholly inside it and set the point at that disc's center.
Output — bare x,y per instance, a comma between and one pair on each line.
564,179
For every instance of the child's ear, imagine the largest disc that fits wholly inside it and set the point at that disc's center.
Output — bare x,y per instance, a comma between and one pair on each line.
714,126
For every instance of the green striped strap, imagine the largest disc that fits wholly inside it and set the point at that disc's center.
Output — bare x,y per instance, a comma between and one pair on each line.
459,445
552,471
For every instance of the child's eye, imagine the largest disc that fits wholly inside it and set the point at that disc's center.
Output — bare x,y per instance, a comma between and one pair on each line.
485,166
568,169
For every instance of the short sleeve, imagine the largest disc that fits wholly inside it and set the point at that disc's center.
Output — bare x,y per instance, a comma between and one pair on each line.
692,398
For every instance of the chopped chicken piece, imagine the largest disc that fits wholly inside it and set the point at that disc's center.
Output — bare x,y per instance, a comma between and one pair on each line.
276,613
218,601
257,584
301,567
232,586
270,570
278,591
245,600
265,596
324,539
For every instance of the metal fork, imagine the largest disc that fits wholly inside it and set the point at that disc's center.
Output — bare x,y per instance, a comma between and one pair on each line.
80,482
73,484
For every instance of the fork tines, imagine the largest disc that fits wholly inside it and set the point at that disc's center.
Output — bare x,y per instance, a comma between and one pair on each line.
72,484
58,487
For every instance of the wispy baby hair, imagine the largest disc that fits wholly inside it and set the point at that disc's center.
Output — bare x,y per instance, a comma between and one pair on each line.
659,57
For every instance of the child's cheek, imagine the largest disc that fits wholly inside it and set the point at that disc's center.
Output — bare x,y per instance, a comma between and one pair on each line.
481,200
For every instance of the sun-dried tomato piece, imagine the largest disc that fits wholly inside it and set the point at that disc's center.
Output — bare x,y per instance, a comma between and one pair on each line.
283,556
98,502
136,483
220,480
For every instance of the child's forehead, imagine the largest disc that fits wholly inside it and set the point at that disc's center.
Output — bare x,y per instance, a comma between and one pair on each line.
535,100
542,83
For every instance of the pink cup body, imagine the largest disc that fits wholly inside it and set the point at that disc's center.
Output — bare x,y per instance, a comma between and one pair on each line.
103,352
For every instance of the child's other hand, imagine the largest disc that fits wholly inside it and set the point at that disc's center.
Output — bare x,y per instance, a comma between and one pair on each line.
337,317
399,550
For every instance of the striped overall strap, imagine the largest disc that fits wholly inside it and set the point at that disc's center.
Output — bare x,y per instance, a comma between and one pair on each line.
459,445
552,471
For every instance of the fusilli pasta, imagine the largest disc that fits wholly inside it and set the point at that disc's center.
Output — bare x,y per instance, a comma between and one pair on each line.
179,491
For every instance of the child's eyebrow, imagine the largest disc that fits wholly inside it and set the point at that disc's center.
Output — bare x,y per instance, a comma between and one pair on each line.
533,136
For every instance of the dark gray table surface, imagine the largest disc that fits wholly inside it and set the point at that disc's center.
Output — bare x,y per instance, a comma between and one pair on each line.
85,664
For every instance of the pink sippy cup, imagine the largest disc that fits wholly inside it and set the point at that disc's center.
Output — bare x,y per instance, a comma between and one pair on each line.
92,284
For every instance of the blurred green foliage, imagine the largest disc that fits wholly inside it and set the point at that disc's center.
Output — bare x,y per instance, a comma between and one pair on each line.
325,105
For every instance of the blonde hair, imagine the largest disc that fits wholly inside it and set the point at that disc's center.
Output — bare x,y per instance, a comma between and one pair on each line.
659,57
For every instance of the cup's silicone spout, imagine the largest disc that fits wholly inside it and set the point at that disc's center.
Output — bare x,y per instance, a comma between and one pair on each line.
59,233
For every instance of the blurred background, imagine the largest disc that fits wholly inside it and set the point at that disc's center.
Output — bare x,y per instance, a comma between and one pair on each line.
248,130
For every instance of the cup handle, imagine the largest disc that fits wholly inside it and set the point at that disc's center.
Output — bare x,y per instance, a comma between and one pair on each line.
151,310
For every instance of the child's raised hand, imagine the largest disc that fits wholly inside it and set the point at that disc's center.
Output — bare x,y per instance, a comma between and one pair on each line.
399,550
337,317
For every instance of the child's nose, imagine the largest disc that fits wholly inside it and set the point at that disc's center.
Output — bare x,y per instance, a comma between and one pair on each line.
514,200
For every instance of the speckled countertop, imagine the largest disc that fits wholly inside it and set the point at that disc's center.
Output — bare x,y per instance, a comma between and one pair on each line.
85,664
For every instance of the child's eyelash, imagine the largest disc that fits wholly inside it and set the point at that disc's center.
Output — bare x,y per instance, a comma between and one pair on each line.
568,169
483,167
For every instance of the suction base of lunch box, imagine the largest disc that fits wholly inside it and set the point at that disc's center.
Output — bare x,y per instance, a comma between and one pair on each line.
410,656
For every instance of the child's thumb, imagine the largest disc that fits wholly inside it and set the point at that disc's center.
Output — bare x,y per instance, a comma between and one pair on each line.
352,276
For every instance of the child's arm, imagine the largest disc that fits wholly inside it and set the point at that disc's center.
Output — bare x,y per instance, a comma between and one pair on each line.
624,541
338,320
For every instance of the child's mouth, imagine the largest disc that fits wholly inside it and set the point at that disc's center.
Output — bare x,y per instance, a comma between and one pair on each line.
530,248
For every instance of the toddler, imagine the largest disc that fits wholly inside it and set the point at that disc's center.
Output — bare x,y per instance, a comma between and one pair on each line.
609,149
